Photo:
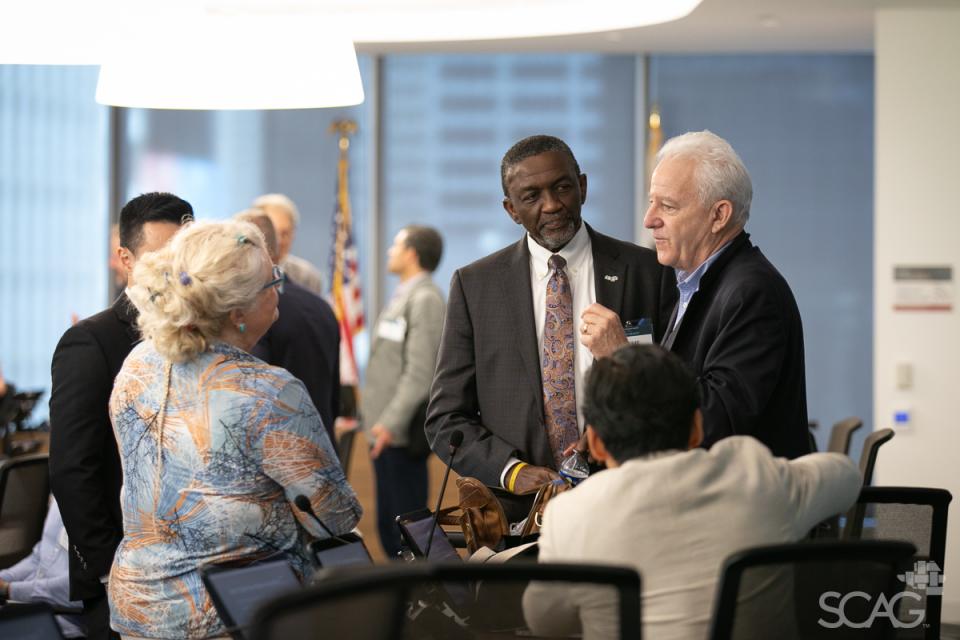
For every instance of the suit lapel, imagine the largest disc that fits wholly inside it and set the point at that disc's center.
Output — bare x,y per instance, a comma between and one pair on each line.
127,314
609,272
515,284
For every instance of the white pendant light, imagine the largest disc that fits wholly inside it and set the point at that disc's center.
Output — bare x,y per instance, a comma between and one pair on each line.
208,60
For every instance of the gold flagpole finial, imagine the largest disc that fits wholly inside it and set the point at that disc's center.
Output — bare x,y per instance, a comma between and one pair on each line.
345,128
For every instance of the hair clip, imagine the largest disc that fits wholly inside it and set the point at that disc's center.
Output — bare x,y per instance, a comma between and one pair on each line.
185,279
242,239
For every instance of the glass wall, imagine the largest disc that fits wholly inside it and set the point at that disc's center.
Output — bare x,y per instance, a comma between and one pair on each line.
448,119
803,126
53,213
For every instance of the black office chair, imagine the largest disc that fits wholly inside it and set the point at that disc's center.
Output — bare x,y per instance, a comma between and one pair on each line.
345,448
24,499
868,457
795,591
912,514
449,601
33,621
842,433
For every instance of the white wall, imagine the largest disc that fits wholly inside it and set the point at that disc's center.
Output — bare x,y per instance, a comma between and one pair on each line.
918,222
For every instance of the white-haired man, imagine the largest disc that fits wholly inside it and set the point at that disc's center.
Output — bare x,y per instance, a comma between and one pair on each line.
736,324
285,216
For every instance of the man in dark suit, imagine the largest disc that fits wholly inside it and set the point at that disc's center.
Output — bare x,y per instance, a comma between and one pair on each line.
736,324
305,339
85,472
510,368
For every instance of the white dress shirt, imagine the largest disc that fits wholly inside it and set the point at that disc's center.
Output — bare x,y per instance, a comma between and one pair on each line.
579,270
579,256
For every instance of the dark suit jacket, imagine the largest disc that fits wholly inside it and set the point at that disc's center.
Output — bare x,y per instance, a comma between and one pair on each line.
487,382
743,338
85,472
305,340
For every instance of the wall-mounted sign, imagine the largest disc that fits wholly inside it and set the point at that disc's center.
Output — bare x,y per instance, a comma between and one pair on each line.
923,288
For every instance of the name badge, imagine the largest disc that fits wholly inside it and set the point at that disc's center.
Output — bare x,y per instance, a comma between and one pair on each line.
639,331
392,330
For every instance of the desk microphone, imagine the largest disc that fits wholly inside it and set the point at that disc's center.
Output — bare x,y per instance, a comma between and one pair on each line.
456,439
303,503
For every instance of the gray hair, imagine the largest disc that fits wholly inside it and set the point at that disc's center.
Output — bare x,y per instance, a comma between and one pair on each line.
719,174
279,201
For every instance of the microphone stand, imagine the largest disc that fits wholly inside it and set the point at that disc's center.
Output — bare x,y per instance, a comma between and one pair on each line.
456,439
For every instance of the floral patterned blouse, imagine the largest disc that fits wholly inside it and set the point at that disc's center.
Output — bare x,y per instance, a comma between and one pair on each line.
239,440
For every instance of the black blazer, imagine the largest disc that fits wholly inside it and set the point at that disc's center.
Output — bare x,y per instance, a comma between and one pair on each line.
487,383
85,473
743,338
305,340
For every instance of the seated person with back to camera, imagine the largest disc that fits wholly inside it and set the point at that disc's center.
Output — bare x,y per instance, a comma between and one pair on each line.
668,508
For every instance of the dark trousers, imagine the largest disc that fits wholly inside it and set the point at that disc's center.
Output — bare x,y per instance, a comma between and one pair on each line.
96,617
401,488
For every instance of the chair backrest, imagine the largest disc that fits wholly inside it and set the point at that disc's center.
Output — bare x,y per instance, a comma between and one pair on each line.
24,499
29,622
433,600
345,448
916,515
868,457
842,434
798,591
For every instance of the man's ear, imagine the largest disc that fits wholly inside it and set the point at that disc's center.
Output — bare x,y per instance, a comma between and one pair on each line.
126,259
508,207
598,450
583,187
696,430
721,215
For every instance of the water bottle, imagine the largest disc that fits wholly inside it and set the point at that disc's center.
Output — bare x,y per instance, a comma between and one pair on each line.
574,469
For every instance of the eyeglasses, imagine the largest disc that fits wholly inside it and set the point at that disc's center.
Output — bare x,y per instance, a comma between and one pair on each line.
278,279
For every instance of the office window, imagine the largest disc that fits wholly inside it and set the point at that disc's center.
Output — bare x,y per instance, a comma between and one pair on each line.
53,213
803,126
448,119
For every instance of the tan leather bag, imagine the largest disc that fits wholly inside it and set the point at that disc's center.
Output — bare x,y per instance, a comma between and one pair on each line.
482,518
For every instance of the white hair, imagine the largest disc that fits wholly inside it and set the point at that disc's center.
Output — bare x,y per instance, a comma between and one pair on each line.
186,290
719,174
280,201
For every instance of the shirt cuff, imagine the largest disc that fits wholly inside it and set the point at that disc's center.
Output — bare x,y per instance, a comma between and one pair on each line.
503,474
20,592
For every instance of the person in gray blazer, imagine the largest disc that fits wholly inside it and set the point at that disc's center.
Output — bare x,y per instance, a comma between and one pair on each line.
402,360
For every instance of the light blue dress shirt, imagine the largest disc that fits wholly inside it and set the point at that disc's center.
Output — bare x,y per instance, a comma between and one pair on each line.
44,575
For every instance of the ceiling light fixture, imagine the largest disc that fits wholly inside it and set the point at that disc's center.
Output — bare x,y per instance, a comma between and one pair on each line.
222,60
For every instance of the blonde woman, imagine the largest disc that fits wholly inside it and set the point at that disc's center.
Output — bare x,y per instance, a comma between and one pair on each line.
215,444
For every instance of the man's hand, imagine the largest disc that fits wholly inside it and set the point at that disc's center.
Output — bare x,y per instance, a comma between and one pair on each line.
381,439
601,330
583,447
4,590
531,478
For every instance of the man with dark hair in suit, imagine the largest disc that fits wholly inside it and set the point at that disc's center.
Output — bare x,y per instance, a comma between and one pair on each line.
305,339
510,369
736,324
85,472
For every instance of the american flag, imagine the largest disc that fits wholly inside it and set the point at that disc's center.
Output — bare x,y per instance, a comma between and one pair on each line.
345,294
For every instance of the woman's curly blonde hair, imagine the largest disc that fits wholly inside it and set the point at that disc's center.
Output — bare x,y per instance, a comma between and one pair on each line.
186,291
